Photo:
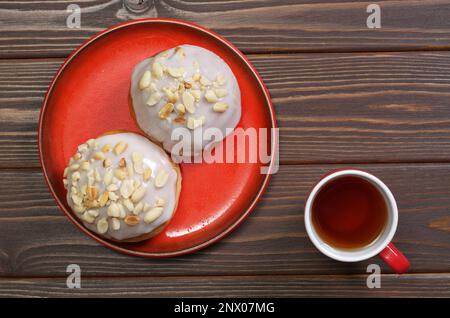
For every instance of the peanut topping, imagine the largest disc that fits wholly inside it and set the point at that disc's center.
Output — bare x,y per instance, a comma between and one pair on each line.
91,204
145,80
103,199
102,225
74,167
106,163
153,214
106,148
137,157
130,169
79,208
108,177
204,81
115,224
85,165
120,147
181,108
196,65
129,205
87,217
147,174
92,193
83,148
160,202
122,163
188,102
172,97
180,52
138,208
120,173
210,96
132,220
220,107
127,188
157,70
154,99
113,210
161,178
93,213
112,187
138,162
99,156
197,94
195,122
139,167
113,196
221,92
138,194
165,111
220,79
76,176
76,199
175,72
196,77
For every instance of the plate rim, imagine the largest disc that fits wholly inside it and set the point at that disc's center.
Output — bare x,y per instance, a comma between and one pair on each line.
256,199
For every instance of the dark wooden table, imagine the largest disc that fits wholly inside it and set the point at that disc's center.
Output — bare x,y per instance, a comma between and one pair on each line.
345,96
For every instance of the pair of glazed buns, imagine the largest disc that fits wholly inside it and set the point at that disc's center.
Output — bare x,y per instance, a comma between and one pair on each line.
123,186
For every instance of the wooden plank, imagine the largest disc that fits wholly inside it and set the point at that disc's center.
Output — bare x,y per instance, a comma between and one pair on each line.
416,285
36,239
38,29
378,107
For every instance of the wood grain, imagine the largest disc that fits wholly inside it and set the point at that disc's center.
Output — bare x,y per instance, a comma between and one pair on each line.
37,240
417,285
38,28
331,108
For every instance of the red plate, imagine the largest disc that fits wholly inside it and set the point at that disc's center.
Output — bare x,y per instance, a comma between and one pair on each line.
89,96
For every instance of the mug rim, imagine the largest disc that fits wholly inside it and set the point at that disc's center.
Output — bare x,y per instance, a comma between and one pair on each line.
333,252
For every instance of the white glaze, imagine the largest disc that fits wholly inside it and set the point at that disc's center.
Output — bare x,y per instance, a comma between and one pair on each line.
153,157
209,65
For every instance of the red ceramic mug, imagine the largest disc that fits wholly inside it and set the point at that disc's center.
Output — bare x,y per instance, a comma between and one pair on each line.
381,246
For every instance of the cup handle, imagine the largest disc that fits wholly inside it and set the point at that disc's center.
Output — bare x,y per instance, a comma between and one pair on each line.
395,259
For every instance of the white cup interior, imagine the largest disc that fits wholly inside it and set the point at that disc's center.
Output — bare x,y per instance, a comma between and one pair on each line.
358,254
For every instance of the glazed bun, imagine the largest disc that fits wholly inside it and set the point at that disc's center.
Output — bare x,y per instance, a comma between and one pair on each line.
122,186
185,86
